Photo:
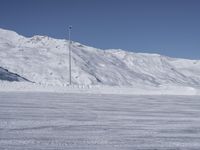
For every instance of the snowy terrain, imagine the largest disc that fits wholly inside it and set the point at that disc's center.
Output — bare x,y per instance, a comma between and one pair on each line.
5,75
109,106
44,61
41,121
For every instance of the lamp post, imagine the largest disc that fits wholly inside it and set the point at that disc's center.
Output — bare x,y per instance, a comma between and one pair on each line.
70,67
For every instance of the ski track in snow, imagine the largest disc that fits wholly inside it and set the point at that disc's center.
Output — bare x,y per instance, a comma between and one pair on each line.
33,121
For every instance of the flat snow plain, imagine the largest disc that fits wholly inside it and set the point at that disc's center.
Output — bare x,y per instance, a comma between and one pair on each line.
55,121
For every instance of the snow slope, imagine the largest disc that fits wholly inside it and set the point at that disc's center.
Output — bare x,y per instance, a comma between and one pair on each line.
5,75
44,60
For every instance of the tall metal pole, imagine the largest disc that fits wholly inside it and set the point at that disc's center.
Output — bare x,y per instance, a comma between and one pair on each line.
70,67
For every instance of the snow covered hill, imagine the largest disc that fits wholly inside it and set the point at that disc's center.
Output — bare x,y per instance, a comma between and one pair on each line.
44,60
5,75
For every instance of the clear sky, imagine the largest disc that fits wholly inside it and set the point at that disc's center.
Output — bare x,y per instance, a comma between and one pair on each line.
169,27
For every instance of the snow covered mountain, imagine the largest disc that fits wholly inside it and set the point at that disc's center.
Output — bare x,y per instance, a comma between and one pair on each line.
44,60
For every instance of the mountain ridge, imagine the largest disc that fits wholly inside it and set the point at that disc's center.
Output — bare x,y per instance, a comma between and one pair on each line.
44,60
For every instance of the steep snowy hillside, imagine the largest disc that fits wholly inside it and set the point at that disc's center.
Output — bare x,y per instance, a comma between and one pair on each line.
5,75
44,60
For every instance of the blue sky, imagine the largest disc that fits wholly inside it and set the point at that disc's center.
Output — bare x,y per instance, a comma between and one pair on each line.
169,27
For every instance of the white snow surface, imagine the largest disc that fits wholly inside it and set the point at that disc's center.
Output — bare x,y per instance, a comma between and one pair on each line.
51,121
98,89
44,61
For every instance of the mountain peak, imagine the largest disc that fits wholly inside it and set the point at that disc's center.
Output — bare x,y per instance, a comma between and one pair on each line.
9,35
44,60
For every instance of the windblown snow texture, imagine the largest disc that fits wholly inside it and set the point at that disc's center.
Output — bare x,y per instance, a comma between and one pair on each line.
44,60
50,121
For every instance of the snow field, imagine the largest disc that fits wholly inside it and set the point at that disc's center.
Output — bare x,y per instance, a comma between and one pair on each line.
94,121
